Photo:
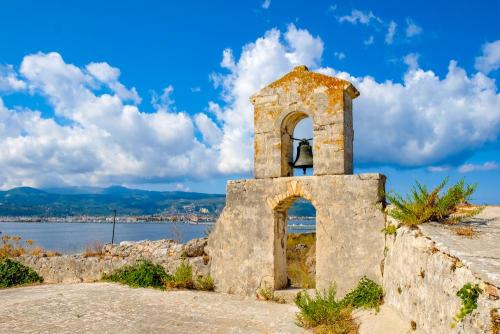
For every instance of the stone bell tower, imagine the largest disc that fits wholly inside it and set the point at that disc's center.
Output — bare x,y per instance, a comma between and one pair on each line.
248,245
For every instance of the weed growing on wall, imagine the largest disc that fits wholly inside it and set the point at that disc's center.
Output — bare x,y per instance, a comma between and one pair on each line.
468,294
13,273
421,205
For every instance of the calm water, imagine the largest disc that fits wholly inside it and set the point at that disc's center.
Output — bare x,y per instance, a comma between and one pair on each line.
74,237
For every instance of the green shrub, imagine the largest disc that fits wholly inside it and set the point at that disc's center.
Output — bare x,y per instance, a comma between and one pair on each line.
325,313
182,278
14,273
422,206
367,294
468,294
142,274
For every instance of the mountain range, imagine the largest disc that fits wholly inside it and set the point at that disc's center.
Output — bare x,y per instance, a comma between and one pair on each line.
74,201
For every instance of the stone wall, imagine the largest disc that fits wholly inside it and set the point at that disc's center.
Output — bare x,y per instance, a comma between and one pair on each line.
82,268
421,282
247,247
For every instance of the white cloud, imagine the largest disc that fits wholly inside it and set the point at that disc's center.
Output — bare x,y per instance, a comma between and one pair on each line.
211,133
260,63
412,29
424,120
411,60
339,55
102,141
195,89
369,41
9,80
391,31
266,4
438,169
358,16
487,166
490,59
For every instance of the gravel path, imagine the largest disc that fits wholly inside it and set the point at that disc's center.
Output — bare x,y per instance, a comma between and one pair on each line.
113,308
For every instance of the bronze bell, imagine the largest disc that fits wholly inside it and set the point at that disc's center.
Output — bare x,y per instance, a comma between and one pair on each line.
304,157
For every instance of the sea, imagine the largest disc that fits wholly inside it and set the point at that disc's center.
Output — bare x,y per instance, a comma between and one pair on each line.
75,237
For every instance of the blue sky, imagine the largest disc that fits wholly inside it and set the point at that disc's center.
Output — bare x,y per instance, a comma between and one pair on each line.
154,94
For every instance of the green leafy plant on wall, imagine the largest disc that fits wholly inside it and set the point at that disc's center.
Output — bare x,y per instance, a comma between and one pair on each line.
422,205
468,294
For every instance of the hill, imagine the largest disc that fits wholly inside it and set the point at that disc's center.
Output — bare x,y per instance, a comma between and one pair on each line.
60,202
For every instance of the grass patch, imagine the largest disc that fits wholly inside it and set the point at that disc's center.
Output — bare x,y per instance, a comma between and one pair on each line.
326,314
142,274
300,256
269,295
182,278
13,273
422,205
204,283
145,274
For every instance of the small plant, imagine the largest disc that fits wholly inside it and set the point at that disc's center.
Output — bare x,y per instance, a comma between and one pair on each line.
268,294
142,274
390,229
367,294
204,283
422,206
468,294
14,273
465,231
324,313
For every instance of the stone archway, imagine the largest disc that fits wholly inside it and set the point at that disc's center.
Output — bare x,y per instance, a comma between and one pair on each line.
280,204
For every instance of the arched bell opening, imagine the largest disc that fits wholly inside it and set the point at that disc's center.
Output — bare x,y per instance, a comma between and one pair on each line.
295,244
296,145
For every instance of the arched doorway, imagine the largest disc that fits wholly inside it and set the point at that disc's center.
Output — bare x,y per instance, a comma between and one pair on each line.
295,244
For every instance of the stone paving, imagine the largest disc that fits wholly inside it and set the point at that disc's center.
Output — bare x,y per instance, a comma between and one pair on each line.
113,308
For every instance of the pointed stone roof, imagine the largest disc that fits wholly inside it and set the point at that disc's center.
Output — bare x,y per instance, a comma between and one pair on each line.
309,81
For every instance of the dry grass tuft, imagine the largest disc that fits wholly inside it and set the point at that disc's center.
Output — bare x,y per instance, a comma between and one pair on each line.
465,231
95,248
12,246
